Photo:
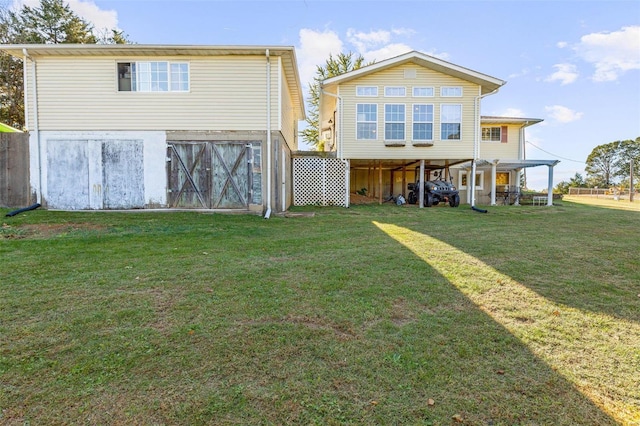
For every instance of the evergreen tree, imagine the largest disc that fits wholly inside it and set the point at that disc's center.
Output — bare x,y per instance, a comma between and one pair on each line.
51,22
334,66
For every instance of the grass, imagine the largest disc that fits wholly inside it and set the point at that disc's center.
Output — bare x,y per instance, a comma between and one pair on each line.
367,315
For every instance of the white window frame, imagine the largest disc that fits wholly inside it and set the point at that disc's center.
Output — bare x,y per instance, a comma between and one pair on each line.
358,121
395,91
403,122
491,128
443,122
416,90
479,177
147,80
416,121
451,91
367,91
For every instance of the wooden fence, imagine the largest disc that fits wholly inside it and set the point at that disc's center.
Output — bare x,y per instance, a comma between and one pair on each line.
14,170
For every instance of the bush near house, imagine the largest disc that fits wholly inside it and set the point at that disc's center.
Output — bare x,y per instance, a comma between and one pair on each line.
367,315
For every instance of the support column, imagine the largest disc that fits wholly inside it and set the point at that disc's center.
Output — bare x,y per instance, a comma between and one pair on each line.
550,187
472,183
493,182
379,181
421,186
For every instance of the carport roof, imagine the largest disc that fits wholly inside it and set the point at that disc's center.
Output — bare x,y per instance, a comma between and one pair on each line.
505,165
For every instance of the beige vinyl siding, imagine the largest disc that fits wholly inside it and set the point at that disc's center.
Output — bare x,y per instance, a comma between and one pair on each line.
289,122
376,149
497,150
226,93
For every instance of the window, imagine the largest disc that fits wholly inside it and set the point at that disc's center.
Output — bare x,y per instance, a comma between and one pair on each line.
491,134
423,122
153,76
394,120
395,91
451,91
366,121
502,178
366,90
462,180
450,121
422,92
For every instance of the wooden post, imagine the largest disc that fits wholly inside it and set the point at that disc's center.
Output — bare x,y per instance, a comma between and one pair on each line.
631,188
380,181
371,192
404,180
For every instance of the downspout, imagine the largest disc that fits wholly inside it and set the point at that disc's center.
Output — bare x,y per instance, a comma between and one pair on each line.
471,180
268,212
36,126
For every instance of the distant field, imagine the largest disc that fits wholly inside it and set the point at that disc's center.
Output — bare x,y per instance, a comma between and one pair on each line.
622,204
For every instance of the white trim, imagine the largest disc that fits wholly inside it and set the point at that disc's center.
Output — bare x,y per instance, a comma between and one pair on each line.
479,173
450,122
413,91
395,88
404,122
414,121
358,95
357,121
455,88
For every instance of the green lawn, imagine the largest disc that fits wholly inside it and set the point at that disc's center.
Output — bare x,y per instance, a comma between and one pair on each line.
368,315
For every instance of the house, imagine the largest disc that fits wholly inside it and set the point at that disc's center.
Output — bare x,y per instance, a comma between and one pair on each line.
155,126
416,115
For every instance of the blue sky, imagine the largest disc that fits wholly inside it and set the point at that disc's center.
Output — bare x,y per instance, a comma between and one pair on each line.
575,64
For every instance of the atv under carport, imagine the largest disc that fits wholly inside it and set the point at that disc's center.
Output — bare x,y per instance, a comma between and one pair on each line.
435,191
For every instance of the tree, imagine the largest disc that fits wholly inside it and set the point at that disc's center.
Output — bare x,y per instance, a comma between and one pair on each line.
334,66
51,22
608,164
577,181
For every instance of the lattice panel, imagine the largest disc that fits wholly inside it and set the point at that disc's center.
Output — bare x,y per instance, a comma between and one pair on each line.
320,181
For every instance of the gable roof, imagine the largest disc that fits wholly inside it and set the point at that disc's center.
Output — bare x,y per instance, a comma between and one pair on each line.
286,53
488,83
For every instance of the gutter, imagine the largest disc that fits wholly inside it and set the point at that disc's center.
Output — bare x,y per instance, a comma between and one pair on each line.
36,127
268,212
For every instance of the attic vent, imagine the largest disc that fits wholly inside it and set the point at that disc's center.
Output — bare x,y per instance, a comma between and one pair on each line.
410,73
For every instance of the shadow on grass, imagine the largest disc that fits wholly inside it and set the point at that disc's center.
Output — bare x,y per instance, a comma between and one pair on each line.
580,340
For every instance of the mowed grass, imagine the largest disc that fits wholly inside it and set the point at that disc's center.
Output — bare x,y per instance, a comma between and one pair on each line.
368,315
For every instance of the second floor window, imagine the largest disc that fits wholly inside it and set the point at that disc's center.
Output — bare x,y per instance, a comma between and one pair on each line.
423,122
394,120
366,121
153,76
450,121
491,134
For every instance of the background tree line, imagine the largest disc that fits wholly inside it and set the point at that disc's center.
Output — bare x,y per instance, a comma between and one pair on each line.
608,165
51,22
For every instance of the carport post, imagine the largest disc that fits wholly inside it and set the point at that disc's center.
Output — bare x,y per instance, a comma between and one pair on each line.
494,165
421,186
550,187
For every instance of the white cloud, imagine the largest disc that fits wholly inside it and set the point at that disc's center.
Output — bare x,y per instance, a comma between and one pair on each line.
386,52
562,114
365,41
562,44
565,74
512,112
611,53
87,9
315,48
